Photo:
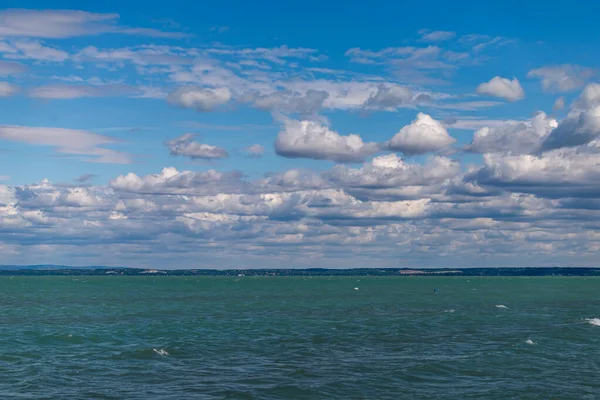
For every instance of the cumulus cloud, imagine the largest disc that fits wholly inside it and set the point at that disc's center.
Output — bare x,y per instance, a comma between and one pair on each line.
423,135
88,145
201,99
7,90
509,90
562,78
186,146
513,137
310,139
172,181
391,178
58,24
558,173
581,125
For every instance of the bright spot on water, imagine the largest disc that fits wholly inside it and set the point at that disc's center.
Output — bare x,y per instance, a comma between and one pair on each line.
529,341
161,352
593,321
450,311
355,288
500,306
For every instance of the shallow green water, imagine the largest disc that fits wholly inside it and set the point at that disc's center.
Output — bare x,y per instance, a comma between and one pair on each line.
299,338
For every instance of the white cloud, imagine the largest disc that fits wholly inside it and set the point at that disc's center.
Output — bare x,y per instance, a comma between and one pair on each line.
172,181
78,91
559,104
310,139
309,103
11,68
57,24
185,146
558,173
390,98
7,90
503,88
33,50
562,78
89,145
423,135
582,124
390,177
513,137
437,36
255,150
201,99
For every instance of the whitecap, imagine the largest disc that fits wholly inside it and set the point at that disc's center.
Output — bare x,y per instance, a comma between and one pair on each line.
161,352
450,310
529,341
501,306
593,321
355,288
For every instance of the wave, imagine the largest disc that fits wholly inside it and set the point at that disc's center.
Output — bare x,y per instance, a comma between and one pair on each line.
593,321
501,306
529,341
161,352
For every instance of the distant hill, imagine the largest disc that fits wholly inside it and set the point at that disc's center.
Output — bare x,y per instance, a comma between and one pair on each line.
61,270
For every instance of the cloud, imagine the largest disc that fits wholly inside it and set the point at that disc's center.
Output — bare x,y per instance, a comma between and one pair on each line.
59,24
559,104
309,103
555,174
418,65
562,78
171,181
423,135
33,50
185,146
509,90
389,177
89,145
7,90
255,151
513,137
201,99
582,125
11,68
437,36
390,98
143,55
57,92
310,139
86,178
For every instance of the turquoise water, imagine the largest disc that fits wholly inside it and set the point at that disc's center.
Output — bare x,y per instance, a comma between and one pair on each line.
299,338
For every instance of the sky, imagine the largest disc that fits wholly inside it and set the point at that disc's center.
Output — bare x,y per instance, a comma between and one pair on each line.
300,134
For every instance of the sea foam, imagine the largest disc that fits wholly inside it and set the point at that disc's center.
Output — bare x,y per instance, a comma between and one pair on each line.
161,352
500,306
529,341
593,321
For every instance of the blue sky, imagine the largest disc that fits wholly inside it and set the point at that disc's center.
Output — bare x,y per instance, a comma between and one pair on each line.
299,133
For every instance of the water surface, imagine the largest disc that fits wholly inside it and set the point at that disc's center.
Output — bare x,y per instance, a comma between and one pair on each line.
299,338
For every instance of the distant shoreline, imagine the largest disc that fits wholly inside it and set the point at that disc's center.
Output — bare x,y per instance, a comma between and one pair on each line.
54,270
